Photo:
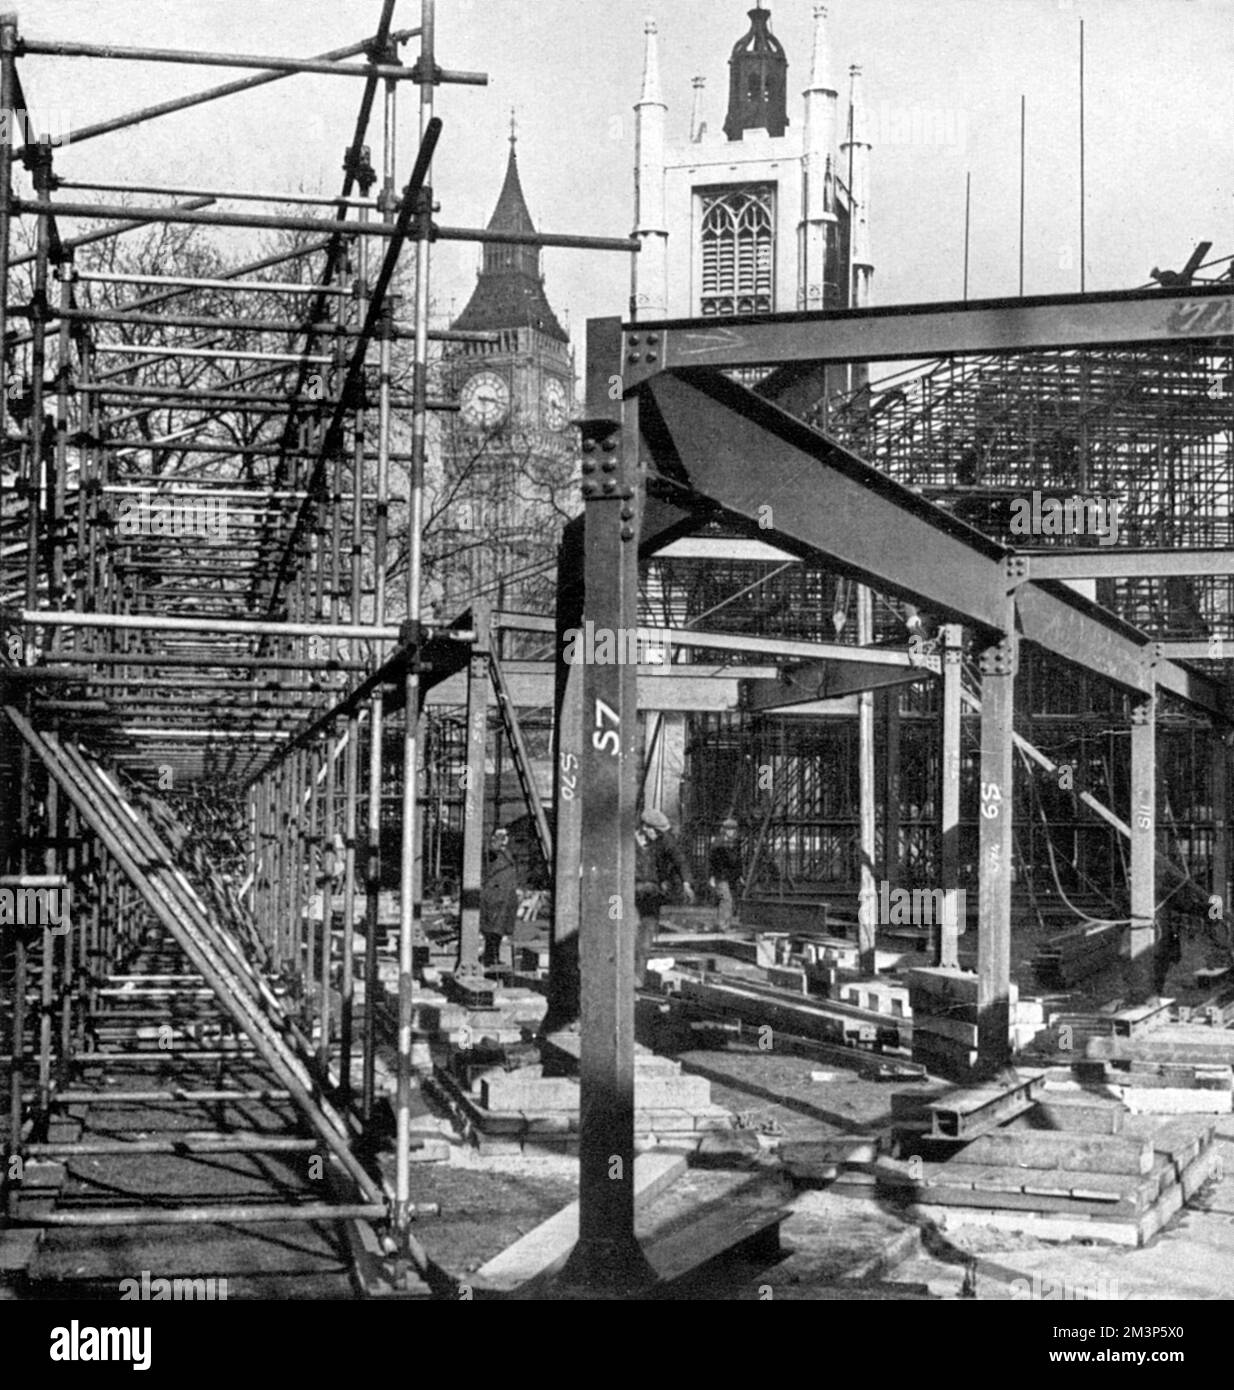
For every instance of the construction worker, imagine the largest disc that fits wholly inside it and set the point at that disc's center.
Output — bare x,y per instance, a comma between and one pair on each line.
498,896
658,870
724,866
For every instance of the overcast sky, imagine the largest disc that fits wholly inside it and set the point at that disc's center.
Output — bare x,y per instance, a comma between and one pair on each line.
1160,121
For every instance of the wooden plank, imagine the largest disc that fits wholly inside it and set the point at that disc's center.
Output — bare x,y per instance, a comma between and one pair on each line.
1097,1153
739,1221
542,1251
950,1028
1042,1226
1127,1192
1058,1203
1083,1113
1153,1047
1166,1100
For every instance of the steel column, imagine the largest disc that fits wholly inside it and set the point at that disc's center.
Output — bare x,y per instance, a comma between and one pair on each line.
1143,818
608,1257
947,945
998,667
563,981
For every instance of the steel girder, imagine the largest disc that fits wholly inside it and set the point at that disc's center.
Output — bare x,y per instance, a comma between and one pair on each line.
902,332
1125,563
826,680
791,485
811,496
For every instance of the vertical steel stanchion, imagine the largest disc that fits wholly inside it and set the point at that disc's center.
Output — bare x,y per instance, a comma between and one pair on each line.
351,768
408,906
607,1256
377,715
47,982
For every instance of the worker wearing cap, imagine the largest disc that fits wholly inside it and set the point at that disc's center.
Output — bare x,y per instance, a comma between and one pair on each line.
724,866
657,870
498,896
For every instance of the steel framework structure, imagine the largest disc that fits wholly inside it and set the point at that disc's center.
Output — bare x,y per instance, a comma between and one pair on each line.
286,661
676,455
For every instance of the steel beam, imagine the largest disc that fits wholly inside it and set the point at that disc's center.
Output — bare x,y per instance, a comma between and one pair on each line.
827,680
809,494
904,332
1118,562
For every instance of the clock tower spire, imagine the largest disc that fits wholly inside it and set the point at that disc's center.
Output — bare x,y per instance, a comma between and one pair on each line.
508,453
510,290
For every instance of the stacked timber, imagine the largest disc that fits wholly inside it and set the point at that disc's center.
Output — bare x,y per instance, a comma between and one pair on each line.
511,1110
1057,1164
1119,1188
1071,1030
943,1007
1170,1069
1071,956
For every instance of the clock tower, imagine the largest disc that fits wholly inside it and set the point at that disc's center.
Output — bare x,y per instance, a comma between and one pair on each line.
510,452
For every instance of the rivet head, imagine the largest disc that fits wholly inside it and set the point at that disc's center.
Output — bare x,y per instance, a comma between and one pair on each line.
589,446
652,357
634,340
610,446
627,513
610,486
633,357
609,465
589,466
627,533
590,490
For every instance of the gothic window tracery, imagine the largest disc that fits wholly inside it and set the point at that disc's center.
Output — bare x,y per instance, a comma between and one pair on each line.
738,250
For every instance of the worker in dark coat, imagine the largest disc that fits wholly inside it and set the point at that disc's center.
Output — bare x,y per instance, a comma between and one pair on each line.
498,896
724,867
659,874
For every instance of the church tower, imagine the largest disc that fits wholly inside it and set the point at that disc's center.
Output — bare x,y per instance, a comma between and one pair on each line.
767,213
508,454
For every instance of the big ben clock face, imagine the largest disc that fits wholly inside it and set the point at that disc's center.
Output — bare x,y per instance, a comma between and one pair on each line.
555,412
484,400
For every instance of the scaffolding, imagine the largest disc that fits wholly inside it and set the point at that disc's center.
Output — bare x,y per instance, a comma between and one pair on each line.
211,587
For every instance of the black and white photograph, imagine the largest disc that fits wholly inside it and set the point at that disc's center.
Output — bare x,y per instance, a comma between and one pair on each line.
613,650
